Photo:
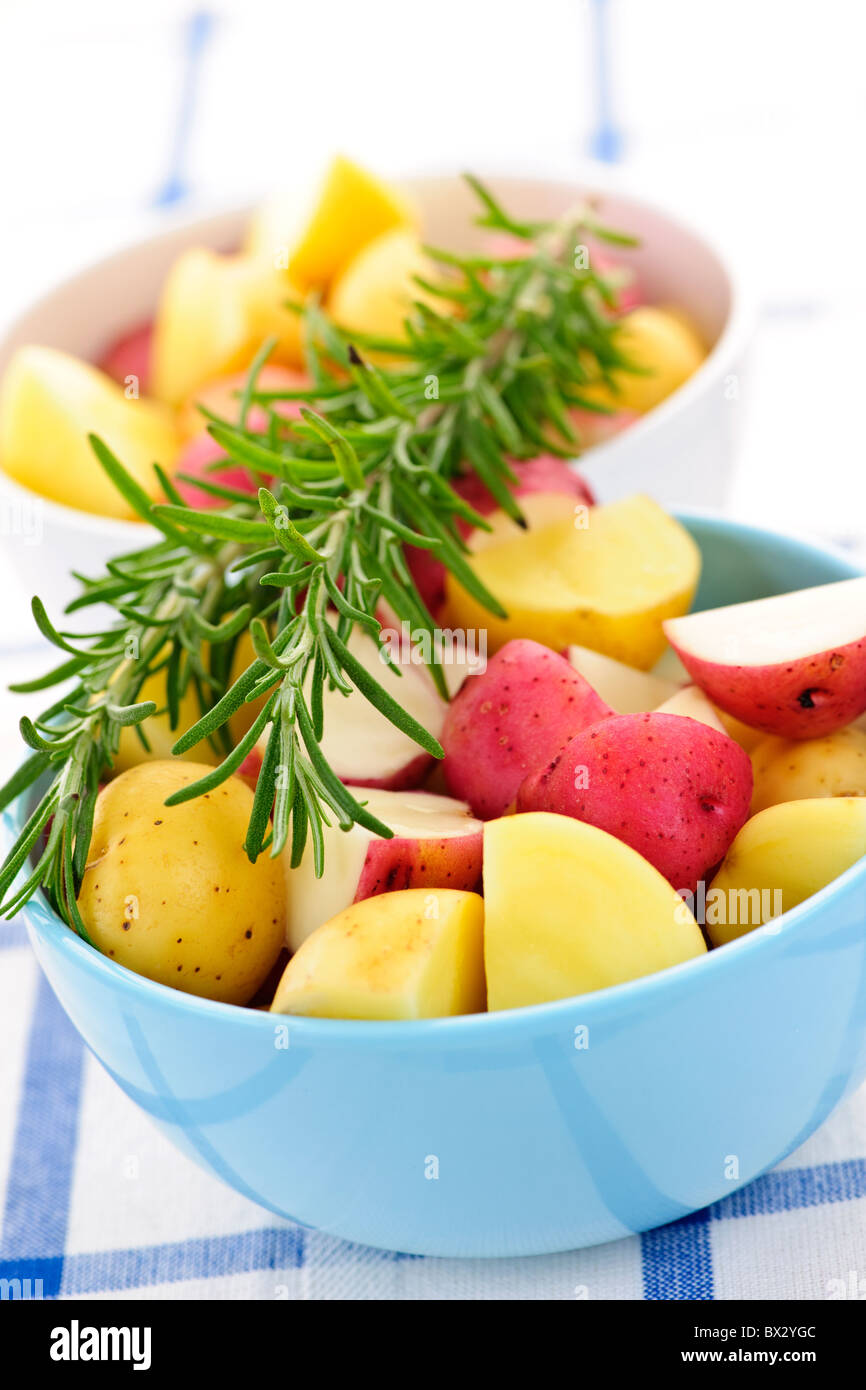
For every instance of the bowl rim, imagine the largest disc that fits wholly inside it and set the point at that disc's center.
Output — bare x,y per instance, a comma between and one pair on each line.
218,226
483,1029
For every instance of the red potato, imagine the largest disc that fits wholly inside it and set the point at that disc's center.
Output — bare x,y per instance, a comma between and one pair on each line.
674,789
510,721
436,844
251,766
622,279
195,459
361,745
129,356
202,450
222,397
793,665
594,428
544,474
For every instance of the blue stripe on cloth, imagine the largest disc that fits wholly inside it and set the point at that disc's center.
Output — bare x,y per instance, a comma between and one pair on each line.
197,35
793,1189
40,1174
209,1257
677,1260
606,139
12,934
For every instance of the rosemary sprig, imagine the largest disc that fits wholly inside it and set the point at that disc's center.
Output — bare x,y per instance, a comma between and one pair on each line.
487,377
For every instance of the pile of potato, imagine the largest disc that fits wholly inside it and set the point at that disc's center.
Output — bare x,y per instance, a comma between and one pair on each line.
623,783
621,780
358,246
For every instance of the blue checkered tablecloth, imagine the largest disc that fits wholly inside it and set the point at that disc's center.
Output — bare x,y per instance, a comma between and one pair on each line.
96,1203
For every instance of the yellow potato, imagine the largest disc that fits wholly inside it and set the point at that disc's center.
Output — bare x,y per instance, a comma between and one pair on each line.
569,909
624,688
608,585
781,857
269,293
222,397
743,734
539,509
203,326
691,703
664,344
374,294
214,314
411,954
158,731
169,891
353,207
794,770
49,403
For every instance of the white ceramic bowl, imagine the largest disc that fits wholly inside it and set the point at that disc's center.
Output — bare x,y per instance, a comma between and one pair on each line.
681,453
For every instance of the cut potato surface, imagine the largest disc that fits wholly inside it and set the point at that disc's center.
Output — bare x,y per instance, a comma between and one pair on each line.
784,627
375,292
626,689
411,954
692,703
540,484
436,844
670,668
50,403
362,746
203,326
352,208
607,585
540,509
793,664
570,909
214,313
747,737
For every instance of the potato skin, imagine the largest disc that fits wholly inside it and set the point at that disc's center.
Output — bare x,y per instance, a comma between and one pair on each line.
510,720
169,891
801,769
673,788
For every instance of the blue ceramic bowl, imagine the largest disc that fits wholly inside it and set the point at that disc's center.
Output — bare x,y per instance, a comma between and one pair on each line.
494,1134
